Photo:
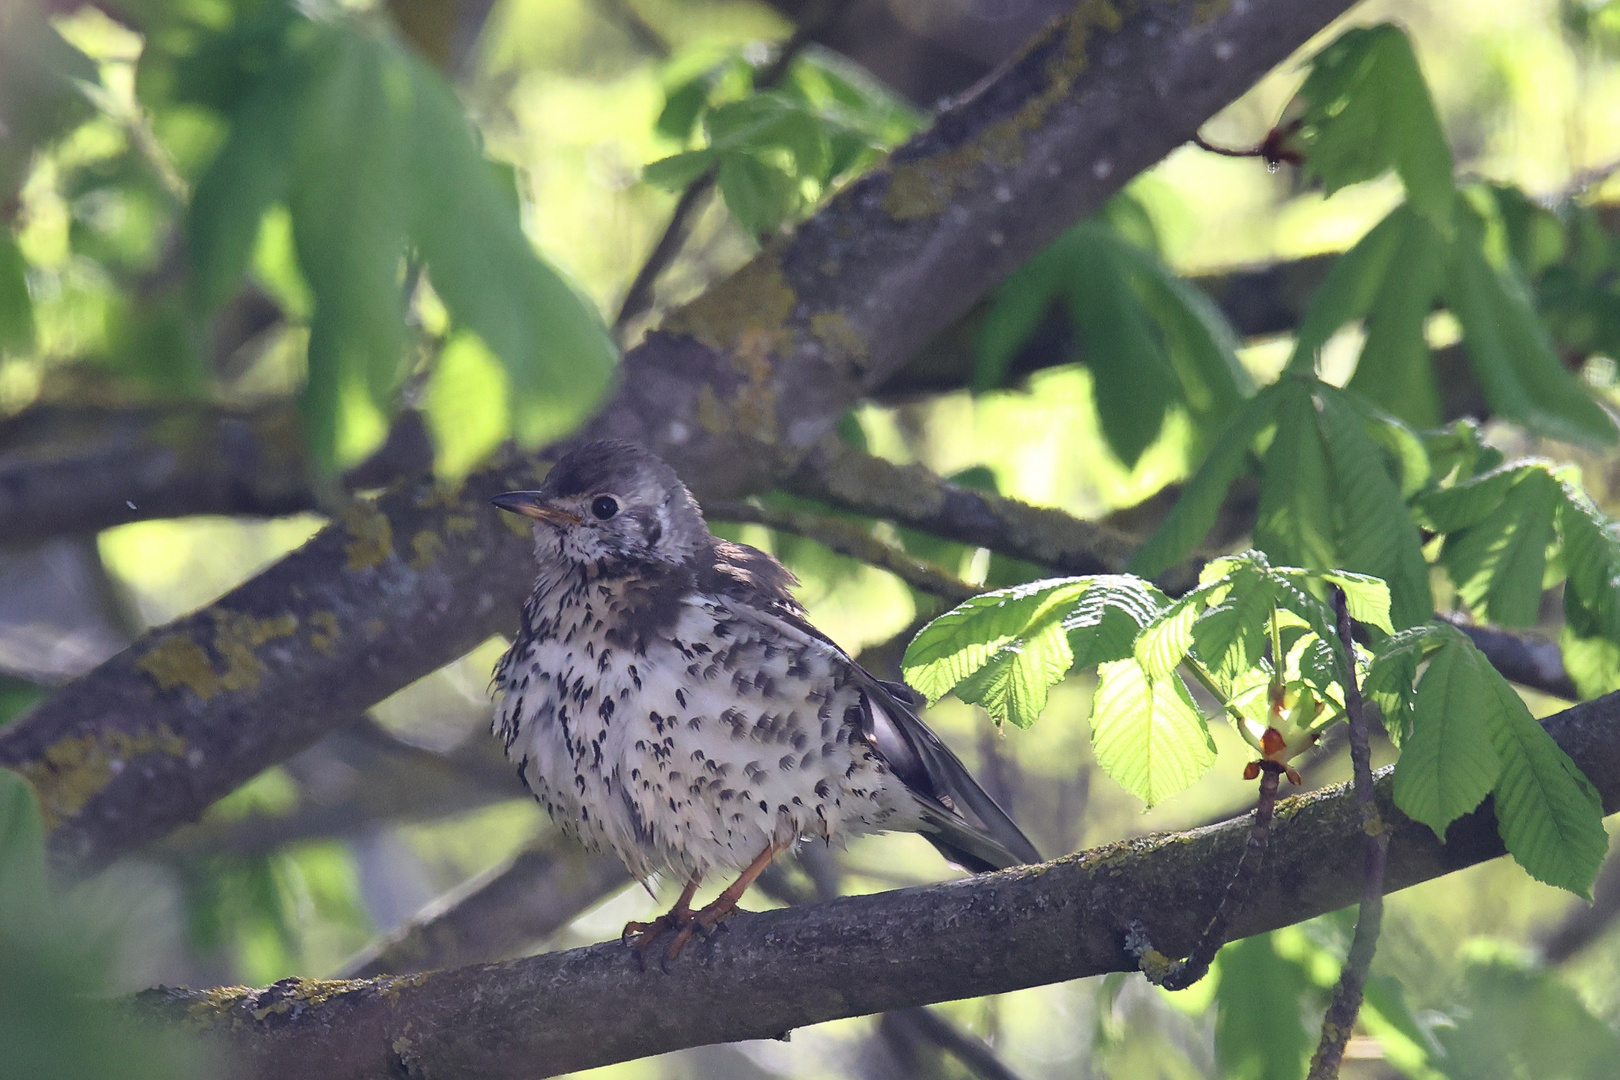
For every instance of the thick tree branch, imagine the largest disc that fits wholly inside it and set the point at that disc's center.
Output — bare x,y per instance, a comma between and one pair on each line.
779,970
1529,661
733,389
358,775
77,470
537,893
850,479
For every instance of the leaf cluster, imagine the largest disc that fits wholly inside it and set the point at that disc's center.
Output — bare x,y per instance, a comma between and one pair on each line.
1151,340
371,155
774,151
1261,640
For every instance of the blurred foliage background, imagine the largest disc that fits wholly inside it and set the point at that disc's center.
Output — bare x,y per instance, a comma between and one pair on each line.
118,150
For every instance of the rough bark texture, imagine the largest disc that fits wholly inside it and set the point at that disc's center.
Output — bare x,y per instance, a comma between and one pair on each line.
67,471
732,390
492,917
779,970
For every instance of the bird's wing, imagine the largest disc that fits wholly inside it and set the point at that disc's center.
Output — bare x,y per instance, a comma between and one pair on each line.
970,828
973,829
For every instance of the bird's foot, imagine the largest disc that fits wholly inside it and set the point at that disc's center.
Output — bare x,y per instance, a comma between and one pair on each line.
705,921
641,936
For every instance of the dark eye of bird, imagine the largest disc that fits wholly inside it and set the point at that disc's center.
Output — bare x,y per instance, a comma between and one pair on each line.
604,506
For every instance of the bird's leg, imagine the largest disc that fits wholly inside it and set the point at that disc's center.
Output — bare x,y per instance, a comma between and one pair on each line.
641,935
726,903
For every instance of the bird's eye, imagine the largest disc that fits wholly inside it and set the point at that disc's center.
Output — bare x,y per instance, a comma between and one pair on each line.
604,506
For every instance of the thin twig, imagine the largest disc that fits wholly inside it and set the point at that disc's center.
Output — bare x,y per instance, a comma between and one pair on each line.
848,540
1341,1013
1180,974
639,296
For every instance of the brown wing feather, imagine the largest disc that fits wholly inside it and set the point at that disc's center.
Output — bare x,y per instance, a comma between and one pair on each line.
974,830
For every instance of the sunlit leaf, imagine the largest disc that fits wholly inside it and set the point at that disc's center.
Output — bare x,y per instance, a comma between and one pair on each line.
1146,733
964,639
1448,763
1012,687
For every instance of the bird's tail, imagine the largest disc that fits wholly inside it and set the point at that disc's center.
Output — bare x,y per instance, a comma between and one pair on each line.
970,847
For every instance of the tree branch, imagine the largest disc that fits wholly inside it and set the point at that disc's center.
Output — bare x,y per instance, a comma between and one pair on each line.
381,778
1529,661
848,539
851,479
732,390
784,969
537,893
1346,1004
639,296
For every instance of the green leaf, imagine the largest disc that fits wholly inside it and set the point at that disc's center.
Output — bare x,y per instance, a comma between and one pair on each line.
1296,522
348,209
1190,520
1352,285
1366,598
1104,624
1146,733
1548,812
970,635
1394,369
1164,642
1230,636
1509,348
760,196
41,96
1522,1021
1470,501
1198,340
1368,110
1012,687
1018,306
557,355
683,104
251,171
1374,533
1498,564
677,172
22,851
1391,674
1259,1030
1591,551
1593,663
16,307
1135,381
1448,763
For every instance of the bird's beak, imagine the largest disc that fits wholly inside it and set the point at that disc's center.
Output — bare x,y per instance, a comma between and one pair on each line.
532,504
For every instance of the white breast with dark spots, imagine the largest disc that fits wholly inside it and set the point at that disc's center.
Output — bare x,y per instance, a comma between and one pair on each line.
730,732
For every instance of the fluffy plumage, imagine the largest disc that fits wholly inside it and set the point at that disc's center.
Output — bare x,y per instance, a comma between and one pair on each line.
667,700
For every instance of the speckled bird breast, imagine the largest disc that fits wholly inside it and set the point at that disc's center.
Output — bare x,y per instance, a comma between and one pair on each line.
685,732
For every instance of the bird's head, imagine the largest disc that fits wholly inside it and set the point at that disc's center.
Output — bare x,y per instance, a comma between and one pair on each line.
611,500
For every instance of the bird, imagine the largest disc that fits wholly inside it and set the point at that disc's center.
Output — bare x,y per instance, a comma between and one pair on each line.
667,700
